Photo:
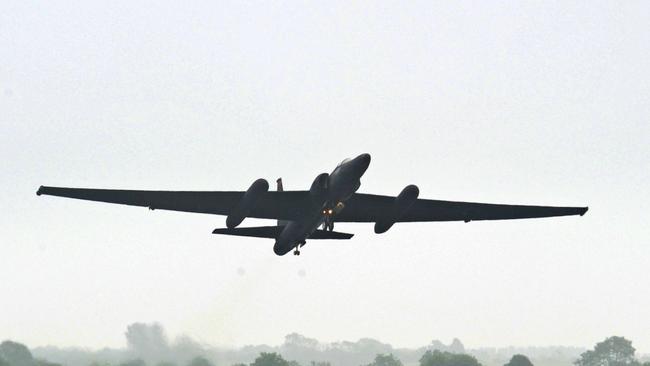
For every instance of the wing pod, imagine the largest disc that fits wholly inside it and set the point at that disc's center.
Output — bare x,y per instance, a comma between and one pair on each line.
401,204
247,202
318,190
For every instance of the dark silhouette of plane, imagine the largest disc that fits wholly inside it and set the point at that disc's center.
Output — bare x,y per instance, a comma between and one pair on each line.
331,198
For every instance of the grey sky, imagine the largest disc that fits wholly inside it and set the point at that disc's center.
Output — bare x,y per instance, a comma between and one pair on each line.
532,102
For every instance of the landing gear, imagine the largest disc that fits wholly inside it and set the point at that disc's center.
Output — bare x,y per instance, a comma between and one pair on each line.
328,224
297,250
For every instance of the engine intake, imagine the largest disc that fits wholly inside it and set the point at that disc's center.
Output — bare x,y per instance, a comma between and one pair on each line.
401,204
247,202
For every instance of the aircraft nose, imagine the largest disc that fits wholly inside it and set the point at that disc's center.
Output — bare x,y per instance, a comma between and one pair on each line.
362,161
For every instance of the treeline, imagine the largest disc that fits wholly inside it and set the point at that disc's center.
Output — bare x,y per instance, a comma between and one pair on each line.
613,351
147,345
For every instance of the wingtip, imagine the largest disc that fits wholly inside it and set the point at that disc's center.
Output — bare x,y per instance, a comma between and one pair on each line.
584,211
39,191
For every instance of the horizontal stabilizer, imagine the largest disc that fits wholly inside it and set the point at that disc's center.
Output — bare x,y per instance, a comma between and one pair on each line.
323,234
272,232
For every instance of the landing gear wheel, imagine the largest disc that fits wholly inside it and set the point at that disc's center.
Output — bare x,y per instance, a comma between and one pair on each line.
326,223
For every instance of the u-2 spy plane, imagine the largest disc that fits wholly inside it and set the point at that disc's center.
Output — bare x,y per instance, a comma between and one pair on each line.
301,214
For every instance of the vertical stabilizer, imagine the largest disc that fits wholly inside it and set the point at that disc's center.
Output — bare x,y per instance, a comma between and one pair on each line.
279,181
280,189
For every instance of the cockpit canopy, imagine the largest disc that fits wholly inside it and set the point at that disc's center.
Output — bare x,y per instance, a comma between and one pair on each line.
344,161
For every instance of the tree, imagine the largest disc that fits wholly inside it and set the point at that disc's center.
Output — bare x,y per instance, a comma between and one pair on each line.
386,360
456,346
270,359
16,354
519,360
136,362
98,363
438,358
298,340
39,362
146,339
613,351
200,361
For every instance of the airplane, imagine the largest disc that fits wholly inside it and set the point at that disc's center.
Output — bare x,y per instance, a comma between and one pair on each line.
311,214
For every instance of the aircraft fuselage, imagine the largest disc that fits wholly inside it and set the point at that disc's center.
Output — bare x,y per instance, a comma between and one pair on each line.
341,184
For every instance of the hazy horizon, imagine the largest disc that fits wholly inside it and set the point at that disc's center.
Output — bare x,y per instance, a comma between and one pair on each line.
183,335
150,343
525,103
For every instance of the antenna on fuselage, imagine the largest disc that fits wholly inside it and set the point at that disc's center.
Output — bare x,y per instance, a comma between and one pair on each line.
280,188
279,181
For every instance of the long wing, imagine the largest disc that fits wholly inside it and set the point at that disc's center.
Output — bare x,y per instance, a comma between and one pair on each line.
371,208
287,205
292,205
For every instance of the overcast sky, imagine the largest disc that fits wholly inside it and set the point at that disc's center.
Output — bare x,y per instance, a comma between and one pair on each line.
529,103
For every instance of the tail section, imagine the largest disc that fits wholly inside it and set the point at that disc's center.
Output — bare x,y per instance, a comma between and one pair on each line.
280,188
273,232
